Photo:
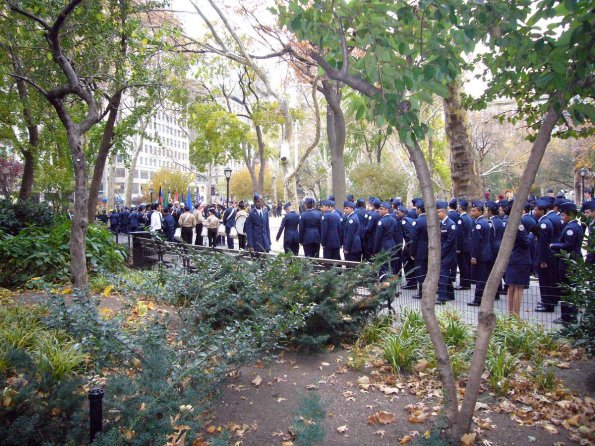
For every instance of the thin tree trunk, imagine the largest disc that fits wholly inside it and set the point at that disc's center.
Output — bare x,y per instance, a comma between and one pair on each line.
132,170
102,154
111,183
28,173
261,157
430,285
275,175
486,318
464,166
249,161
32,130
208,196
335,130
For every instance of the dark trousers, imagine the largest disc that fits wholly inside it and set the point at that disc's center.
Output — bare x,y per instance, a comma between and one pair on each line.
446,290
332,254
481,272
408,267
186,234
242,241
212,236
312,250
354,257
464,263
420,271
229,239
198,240
293,247
548,286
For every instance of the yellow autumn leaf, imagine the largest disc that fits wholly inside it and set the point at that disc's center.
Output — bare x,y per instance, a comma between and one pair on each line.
67,290
107,291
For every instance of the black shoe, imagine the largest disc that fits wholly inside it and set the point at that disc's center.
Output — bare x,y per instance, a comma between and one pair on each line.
416,296
462,287
451,298
474,304
409,287
497,297
440,302
545,309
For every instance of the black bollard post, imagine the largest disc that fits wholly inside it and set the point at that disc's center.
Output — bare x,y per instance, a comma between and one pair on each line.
95,412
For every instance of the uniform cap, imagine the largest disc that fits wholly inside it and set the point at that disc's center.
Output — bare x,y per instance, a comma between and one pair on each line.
331,198
588,205
287,205
559,201
568,207
397,201
463,203
541,203
403,209
441,204
504,203
492,206
331,203
386,205
375,202
452,202
549,200
550,190
349,197
414,201
309,201
419,203
257,197
477,203
348,204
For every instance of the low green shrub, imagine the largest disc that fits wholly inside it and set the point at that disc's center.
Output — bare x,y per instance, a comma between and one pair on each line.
401,352
15,216
45,252
501,366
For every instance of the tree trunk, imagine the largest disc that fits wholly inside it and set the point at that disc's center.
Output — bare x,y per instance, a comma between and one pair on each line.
132,170
466,179
249,161
208,197
33,131
111,184
486,317
28,173
102,154
335,129
262,159
275,174
430,285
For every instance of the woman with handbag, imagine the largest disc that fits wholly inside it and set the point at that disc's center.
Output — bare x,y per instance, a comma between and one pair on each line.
212,227
239,227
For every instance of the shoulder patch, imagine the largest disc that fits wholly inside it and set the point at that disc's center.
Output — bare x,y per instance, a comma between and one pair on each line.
379,223
478,226
350,220
460,222
453,227
413,223
490,223
323,217
521,228
543,226
570,232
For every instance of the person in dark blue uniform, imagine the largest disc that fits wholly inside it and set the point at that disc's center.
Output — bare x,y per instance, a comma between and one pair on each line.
360,211
168,226
419,246
408,266
135,218
373,219
384,237
448,253
124,221
496,234
229,221
455,217
412,213
257,229
518,270
398,261
352,242
289,224
309,229
114,221
330,237
569,246
481,251
464,228
588,208
545,261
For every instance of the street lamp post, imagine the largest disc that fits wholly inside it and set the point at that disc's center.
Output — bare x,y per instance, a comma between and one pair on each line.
151,193
583,173
227,172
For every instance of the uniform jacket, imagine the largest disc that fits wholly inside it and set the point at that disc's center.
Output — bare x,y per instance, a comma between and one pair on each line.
521,251
168,225
419,238
464,228
229,217
373,219
544,231
571,239
557,225
309,227
330,230
363,220
496,234
352,241
124,218
481,248
398,230
289,224
384,237
258,232
134,220
448,242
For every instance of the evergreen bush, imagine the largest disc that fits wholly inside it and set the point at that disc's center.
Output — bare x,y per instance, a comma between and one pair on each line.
14,216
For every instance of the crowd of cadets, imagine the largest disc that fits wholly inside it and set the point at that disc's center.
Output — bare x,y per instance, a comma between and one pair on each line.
471,234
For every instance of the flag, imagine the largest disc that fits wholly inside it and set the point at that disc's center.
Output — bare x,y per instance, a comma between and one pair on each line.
176,197
160,199
165,199
189,199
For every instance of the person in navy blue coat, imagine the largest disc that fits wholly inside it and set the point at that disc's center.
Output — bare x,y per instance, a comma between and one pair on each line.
114,221
406,230
481,251
135,218
168,225
518,269
448,253
373,219
258,232
309,229
124,227
569,246
464,228
455,217
289,224
496,234
352,242
419,246
398,261
229,221
545,261
384,236
360,211
588,208
330,232
412,213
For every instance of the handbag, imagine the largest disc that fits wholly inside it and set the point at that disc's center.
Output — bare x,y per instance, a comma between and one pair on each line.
233,233
221,230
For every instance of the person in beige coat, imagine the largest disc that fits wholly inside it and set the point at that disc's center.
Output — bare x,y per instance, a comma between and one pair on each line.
198,220
187,223
212,226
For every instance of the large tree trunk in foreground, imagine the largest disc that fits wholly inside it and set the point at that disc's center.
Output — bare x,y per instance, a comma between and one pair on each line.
430,285
335,129
464,166
32,130
28,173
486,317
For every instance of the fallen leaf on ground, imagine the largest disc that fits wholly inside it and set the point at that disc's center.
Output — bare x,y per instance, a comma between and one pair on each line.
325,364
363,382
380,433
257,381
421,365
311,387
468,439
406,439
382,418
481,406
563,365
342,429
549,427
